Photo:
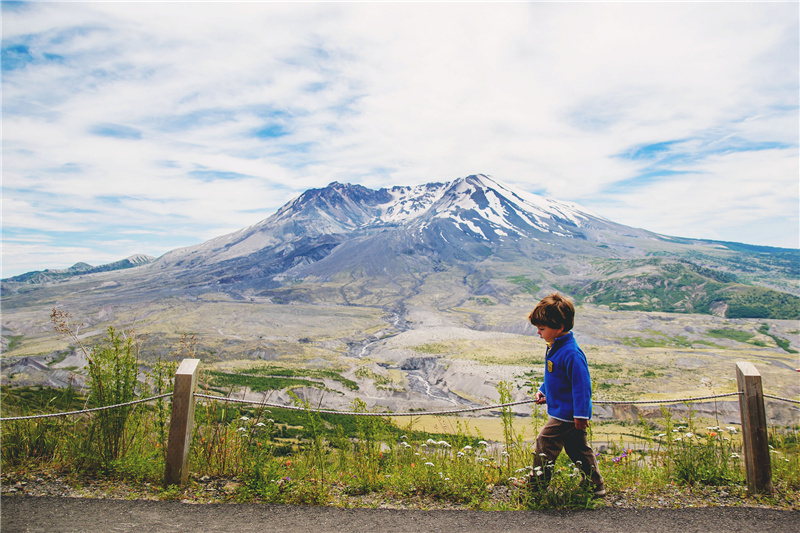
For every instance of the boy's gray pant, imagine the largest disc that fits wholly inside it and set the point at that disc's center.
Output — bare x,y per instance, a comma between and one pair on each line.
556,435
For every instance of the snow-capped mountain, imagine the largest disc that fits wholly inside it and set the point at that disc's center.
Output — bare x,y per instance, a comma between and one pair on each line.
478,206
471,239
395,235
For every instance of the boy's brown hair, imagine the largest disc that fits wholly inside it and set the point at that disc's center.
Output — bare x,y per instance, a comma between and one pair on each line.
554,311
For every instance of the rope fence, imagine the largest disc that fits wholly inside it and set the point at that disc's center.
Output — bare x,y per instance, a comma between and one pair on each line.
389,413
82,411
750,397
455,411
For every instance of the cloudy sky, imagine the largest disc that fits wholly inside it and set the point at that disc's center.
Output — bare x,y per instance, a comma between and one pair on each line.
143,127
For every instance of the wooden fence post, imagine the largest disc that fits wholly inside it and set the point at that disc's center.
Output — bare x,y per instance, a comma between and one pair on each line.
754,429
176,470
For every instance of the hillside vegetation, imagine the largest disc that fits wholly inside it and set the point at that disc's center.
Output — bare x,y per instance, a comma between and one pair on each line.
680,286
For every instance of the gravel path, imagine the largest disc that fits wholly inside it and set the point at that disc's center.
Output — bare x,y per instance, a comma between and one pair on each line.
54,514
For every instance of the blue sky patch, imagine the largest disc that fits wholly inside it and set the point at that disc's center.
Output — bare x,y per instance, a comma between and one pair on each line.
117,131
649,151
272,131
215,175
196,119
644,178
16,56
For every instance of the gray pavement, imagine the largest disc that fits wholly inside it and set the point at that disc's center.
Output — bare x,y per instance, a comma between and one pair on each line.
52,514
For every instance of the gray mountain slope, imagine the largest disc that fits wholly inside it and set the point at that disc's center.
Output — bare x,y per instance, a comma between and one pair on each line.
354,245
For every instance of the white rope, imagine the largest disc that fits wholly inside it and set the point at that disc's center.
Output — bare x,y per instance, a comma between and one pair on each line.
85,410
676,400
781,399
354,413
410,413
451,411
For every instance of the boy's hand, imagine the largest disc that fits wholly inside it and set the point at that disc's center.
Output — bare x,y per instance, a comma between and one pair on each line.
581,424
540,399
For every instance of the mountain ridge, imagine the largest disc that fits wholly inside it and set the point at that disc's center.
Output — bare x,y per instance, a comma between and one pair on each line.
465,239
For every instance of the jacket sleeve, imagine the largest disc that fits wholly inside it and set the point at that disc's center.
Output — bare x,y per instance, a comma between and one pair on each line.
581,386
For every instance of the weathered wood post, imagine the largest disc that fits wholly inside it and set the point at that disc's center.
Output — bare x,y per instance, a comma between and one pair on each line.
754,429
176,470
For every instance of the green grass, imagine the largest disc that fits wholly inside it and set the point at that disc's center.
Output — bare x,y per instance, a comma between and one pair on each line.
657,342
303,457
782,343
221,380
267,378
526,285
732,334
14,341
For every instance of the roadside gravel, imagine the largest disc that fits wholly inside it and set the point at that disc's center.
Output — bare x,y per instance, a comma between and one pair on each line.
206,490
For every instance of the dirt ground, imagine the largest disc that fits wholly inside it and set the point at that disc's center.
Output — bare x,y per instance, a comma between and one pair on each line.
54,514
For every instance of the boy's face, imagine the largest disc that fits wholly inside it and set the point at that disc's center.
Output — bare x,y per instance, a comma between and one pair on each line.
549,334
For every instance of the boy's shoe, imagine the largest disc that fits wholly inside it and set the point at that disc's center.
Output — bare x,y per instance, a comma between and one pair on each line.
600,491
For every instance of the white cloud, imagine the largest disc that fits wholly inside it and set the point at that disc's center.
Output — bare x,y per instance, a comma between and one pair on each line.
547,96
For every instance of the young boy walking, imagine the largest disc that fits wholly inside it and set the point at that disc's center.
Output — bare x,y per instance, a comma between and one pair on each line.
567,391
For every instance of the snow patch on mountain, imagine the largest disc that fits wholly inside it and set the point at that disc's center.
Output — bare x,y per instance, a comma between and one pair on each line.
478,204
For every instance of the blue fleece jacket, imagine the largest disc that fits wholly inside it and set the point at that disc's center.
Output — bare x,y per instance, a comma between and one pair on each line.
567,386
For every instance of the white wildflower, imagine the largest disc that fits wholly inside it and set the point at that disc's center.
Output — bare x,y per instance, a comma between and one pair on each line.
467,447
483,443
429,464
260,425
244,418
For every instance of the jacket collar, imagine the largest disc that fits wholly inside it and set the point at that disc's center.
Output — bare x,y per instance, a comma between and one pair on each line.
563,339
